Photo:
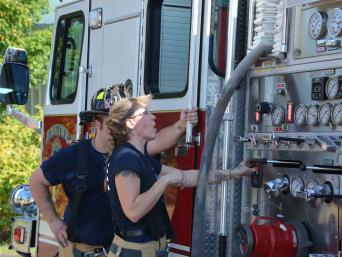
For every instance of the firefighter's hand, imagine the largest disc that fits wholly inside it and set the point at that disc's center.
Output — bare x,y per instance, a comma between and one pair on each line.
173,178
58,228
242,170
189,115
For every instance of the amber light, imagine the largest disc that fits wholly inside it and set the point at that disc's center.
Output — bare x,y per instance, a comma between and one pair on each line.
19,234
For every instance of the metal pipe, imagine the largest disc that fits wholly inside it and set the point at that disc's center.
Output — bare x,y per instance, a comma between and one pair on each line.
214,124
230,65
194,60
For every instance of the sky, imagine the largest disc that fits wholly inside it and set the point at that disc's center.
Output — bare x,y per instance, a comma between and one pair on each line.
50,18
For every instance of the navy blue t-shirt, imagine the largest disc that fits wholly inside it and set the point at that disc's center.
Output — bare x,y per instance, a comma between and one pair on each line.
94,224
127,157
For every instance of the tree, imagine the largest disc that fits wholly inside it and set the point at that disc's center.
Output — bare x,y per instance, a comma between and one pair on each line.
19,156
17,18
20,151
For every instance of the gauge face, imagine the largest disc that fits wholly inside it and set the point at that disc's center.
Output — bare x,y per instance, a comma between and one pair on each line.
278,115
335,23
300,114
325,114
318,25
331,88
297,185
312,115
336,114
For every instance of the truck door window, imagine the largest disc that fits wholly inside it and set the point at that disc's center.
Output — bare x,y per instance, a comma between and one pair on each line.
67,57
167,47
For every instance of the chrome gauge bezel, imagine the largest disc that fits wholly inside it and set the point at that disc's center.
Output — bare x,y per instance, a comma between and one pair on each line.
276,119
333,81
322,18
300,109
309,121
333,114
333,15
300,186
324,114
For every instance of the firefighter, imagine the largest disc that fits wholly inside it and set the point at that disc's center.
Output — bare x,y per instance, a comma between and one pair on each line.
136,182
92,231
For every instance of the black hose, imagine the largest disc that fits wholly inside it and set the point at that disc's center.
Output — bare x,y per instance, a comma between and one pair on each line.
210,137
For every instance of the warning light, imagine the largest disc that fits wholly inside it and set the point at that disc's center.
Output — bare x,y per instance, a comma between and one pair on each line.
290,112
19,235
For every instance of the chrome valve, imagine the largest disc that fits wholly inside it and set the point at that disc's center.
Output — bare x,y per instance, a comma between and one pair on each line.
315,192
277,185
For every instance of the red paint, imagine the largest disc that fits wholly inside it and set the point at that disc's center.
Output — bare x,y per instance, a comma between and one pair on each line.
222,38
182,211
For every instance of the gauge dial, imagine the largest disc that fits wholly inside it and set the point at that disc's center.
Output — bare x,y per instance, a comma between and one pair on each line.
331,88
325,114
312,115
297,185
335,23
278,115
300,114
336,114
318,25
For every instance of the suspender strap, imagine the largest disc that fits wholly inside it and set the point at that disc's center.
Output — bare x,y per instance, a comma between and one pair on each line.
81,186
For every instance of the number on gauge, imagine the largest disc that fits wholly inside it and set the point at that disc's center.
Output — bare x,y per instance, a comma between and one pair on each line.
318,25
297,185
312,115
331,88
335,23
300,114
336,114
278,115
325,114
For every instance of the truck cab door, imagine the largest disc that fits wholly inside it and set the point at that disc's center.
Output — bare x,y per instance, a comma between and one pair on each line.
170,73
65,97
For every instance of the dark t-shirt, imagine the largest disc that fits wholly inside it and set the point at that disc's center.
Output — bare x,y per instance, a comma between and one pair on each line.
127,157
94,221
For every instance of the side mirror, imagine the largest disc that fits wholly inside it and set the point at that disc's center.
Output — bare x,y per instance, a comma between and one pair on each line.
14,77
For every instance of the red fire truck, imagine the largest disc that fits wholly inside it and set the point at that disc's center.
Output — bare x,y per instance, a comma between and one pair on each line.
269,71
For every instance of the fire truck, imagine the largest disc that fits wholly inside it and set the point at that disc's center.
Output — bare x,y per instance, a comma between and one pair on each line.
267,79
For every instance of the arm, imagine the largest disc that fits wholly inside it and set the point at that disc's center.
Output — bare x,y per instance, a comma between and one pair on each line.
42,196
136,205
169,136
190,177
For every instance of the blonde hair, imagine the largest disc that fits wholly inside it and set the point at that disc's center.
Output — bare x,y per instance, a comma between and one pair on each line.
120,112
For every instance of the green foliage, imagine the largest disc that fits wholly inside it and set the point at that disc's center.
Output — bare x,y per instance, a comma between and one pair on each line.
17,18
17,29
37,45
19,156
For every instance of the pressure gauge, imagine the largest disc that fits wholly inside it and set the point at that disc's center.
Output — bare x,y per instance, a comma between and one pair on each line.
297,185
335,23
278,115
318,25
331,88
336,114
312,115
300,114
325,114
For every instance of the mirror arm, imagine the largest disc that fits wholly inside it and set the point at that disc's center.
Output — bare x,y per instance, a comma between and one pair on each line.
25,119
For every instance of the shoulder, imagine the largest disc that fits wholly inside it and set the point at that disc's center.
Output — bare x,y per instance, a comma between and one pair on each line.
125,158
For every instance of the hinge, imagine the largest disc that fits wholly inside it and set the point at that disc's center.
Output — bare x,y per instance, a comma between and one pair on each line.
198,139
88,71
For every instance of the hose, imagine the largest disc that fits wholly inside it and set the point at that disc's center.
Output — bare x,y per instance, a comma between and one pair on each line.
214,124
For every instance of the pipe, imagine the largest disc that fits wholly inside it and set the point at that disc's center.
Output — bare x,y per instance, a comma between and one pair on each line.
209,143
